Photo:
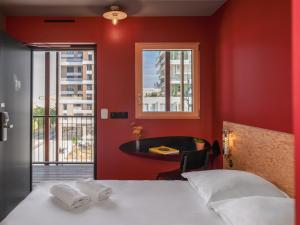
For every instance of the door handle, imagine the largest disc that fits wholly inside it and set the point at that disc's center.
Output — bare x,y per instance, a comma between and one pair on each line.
4,125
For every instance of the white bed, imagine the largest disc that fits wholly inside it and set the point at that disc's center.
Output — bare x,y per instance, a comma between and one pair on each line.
132,203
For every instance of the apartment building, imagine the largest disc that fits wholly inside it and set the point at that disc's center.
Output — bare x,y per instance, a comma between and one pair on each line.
173,68
76,83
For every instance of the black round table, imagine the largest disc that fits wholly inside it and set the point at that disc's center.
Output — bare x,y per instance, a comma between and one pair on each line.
141,148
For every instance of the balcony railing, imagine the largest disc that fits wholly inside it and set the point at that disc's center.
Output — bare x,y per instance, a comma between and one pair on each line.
63,139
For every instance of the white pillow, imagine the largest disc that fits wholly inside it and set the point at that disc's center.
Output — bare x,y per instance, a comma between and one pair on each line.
216,185
256,210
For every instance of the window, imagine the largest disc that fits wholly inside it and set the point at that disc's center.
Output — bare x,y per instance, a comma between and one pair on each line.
167,80
89,67
90,56
89,97
70,69
89,77
89,106
79,88
69,87
79,69
89,87
65,106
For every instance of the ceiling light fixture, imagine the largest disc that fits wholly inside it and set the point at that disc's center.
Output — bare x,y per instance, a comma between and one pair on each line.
115,14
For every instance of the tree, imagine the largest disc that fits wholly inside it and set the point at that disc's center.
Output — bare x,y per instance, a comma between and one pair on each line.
39,116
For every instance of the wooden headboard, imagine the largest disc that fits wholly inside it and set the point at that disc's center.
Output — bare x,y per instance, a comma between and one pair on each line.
267,153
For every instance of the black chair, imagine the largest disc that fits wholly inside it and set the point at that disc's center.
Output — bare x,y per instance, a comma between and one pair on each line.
190,160
216,151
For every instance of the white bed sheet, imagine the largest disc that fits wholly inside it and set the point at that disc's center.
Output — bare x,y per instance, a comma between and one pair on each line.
132,203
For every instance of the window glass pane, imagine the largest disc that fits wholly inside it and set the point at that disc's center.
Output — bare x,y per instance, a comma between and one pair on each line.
89,67
39,83
154,81
188,80
175,81
167,81
70,69
53,69
76,83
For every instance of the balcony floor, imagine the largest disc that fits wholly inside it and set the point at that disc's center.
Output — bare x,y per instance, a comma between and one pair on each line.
42,173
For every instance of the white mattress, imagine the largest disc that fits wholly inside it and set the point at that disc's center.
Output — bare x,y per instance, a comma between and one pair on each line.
132,203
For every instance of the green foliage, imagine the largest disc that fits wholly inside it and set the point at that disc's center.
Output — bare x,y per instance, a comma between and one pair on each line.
74,140
38,111
38,122
199,140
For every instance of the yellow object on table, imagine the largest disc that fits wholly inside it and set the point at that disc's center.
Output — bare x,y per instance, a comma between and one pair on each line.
163,150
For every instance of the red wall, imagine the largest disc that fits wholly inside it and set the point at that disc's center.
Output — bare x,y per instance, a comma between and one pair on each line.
253,64
246,80
296,96
115,77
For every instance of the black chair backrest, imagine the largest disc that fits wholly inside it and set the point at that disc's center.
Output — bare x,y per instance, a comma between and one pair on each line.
216,150
207,144
192,160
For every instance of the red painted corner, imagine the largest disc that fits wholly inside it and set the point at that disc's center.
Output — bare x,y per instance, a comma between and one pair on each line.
253,64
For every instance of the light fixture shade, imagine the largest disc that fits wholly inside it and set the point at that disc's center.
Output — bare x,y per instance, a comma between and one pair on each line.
115,14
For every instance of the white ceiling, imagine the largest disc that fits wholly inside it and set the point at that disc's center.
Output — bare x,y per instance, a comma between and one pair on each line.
96,7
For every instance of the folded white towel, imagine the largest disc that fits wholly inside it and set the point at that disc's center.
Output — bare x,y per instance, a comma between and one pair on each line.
69,196
94,189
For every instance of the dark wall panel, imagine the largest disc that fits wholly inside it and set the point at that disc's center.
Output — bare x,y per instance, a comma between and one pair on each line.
15,152
1,144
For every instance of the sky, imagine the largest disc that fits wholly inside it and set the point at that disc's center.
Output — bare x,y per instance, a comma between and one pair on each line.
39,76
149,70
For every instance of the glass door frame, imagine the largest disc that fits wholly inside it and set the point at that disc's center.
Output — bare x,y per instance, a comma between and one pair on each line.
63,47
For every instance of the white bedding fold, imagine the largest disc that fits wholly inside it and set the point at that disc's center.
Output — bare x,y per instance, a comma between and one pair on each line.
94,189
69,196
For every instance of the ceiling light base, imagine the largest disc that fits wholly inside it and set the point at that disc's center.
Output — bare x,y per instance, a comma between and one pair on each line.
115,14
